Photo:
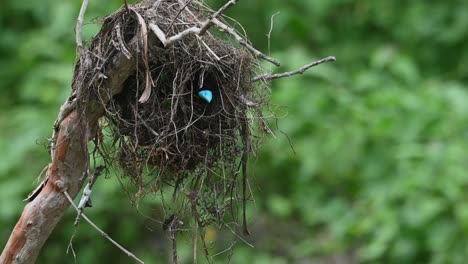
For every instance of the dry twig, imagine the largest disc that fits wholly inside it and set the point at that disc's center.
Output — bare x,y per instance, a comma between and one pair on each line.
79,28
244,43
212,20
268,76
128,253
86,198
218,13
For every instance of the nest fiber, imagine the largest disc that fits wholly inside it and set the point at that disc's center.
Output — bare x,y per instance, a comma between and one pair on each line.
176,136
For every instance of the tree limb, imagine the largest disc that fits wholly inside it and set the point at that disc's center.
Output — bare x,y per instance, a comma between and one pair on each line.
42,214
65,172
218,13
190,31
104,234
268,76
244,43
79,28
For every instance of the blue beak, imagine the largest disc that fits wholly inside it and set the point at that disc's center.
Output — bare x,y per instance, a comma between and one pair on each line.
207,95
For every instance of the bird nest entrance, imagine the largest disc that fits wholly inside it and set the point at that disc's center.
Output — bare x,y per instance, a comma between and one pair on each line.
195,112
187,116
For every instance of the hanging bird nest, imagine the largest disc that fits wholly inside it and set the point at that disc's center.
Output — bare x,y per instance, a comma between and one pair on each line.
175,87
188,115
182,94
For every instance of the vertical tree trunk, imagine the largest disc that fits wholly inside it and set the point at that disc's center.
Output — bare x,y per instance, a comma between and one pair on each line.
68,168
41,215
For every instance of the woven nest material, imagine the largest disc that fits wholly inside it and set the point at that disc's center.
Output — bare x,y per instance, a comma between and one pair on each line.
175,137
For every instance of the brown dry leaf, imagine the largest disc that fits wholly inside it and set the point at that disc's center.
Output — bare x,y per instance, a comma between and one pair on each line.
144,33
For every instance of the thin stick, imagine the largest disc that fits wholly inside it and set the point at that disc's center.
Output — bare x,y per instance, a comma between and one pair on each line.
268,76
159,33
195,242
178,14
130,254
244,43
172,231
209,22
86,198
79,28
193,199
224,8
190,31
212,20
126,5
271,29
209,49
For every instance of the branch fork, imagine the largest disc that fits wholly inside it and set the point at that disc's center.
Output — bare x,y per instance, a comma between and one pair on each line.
214,21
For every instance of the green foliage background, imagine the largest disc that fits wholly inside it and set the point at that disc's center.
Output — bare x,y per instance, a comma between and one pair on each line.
381,135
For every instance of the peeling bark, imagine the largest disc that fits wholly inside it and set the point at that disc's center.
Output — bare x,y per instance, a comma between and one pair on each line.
67,169
42,214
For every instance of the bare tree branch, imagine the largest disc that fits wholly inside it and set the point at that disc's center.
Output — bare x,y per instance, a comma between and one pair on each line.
218,13
106,236
183,34
244,42
86,198
42,214
268,76
79,28
212,20
190,31
69,161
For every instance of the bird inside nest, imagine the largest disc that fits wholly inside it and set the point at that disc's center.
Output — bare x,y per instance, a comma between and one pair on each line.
206,93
